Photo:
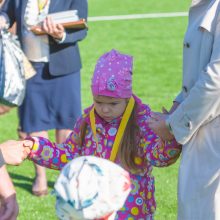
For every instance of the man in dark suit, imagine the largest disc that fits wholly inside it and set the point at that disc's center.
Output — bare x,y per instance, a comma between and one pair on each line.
53,98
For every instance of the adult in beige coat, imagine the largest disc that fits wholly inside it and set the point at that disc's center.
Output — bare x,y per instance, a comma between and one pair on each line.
194,119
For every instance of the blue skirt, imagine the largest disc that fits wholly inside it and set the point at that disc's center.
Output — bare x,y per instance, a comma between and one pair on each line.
51,102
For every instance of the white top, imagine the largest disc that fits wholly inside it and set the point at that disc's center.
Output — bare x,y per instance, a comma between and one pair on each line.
36,47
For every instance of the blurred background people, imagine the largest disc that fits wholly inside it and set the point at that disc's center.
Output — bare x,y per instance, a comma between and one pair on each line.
53,98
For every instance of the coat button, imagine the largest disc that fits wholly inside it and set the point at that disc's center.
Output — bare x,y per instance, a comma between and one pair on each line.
185,89
188,124
187,45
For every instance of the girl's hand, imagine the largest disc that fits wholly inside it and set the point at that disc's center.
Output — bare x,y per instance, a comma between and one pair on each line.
28,145
54,30
9,206
158,125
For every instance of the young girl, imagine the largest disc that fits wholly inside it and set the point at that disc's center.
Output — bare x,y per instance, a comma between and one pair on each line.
115,127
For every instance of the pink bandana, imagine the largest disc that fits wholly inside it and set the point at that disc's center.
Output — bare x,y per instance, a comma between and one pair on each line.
113,75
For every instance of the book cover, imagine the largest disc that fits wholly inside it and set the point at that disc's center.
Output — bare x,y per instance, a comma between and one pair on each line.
69,19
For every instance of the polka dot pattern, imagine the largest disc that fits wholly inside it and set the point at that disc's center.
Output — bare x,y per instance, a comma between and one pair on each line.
113,75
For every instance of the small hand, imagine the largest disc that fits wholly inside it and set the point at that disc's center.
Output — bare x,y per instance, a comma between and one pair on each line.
54,30
159,116
28,145
158,125
9,208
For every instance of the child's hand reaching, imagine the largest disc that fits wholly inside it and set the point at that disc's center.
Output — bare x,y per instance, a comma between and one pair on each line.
28,145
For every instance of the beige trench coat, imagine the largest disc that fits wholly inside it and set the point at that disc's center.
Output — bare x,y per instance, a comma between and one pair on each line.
196,122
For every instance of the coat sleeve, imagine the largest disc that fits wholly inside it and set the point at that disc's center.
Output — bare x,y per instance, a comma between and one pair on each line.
53,155
73,36
203,101
179,97
157,152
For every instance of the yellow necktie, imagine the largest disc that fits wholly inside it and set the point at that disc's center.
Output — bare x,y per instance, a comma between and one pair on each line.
41,4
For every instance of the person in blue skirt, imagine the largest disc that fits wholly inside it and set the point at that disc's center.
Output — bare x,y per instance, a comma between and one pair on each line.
53,99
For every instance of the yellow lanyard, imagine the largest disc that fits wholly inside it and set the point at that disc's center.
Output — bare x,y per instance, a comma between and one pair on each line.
41,4
121,128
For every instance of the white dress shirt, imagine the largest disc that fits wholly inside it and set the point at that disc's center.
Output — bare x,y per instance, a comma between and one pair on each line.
36,47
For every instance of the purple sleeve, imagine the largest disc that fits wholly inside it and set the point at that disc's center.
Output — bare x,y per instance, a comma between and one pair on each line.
158,152
53,155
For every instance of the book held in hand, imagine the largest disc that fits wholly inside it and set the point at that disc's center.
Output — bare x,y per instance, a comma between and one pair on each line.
69,19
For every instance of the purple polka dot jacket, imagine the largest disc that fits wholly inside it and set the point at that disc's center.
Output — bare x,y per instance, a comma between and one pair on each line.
152,151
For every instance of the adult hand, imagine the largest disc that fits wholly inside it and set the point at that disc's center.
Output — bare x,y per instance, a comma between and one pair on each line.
54,30
9,208
158,125
14,152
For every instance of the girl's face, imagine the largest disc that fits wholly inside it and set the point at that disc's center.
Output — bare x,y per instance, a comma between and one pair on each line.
109,108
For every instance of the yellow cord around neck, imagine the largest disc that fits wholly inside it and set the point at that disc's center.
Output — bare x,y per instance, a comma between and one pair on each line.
121,129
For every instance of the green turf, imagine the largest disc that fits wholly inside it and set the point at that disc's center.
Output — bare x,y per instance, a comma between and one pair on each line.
156,45
123,7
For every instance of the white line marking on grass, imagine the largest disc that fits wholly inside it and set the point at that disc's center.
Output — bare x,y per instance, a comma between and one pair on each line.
138,16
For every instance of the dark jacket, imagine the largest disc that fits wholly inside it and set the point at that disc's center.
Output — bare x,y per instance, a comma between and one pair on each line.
64,57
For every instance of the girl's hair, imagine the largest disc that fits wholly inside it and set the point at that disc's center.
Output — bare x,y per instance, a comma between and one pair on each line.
128,148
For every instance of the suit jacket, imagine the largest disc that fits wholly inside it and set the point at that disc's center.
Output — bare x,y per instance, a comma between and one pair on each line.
64,57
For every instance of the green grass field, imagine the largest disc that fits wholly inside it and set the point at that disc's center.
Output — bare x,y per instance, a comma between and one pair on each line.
156,45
